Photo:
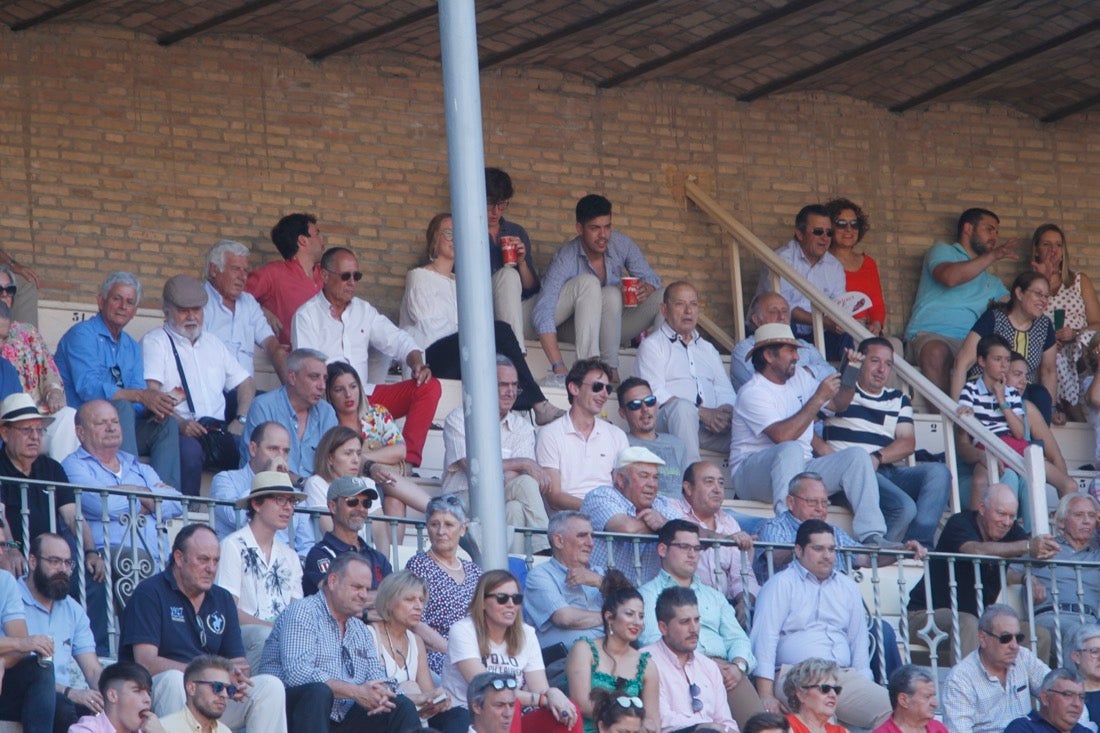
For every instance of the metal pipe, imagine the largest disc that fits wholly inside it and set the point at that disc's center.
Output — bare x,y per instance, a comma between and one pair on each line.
466,166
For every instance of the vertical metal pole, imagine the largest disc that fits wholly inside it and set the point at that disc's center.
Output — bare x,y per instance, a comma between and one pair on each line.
466,165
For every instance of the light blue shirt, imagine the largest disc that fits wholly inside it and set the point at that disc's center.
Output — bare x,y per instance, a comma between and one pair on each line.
950,311
798,617
546,592
719,633
84,469
570,261
783,528
11,608
233,485
85,356
241,329
67,623
741,370
827,274
276,406
604,502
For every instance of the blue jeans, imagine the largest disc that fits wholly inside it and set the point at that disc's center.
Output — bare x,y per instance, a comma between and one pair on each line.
912,499
28,696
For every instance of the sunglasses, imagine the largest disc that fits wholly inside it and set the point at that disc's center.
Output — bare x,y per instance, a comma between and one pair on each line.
819,231
847,224
598,387
345,276
503,598
354,501
9,290
635,702
696,703
635,405
219,687
1006,637
500,684
825,689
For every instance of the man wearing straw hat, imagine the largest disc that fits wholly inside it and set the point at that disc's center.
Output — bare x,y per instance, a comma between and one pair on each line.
262,573
772,436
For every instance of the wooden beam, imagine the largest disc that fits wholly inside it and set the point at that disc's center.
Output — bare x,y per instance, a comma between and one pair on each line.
359,38
247,9
50,14
766,18
1079,106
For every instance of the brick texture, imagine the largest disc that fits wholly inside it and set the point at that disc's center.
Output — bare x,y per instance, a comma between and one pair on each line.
117,153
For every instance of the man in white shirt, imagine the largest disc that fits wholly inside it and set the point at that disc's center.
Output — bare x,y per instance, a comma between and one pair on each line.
345,327
524,478
580,448
196,368
235,316
263,574
687,376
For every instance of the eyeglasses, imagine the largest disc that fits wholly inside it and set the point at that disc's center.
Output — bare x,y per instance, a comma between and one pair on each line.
285,500
26,431
819,231
1005,637
696,703
847,224
1038,294
503,598
116,375
598,387
345,276
629,702
825,689
1069,694
499,205
9,290
354,501
812,502
218,687
500,684
686,547
635,405
54,561
1094,652
448,233
509,387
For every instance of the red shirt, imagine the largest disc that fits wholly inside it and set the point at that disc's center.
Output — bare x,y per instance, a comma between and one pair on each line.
281,287
866,280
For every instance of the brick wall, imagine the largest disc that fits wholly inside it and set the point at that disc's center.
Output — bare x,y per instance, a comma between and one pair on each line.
117,153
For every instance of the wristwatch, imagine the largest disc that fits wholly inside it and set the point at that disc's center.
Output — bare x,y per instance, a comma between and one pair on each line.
742,665
242,419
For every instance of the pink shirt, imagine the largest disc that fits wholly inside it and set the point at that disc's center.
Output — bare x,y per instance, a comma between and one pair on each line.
728,580
93,724
583,464
933,726
675,690
281,287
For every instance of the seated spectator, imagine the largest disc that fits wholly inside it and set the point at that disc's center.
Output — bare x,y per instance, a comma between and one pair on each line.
1086,657
514,286
399,604
322,651
955,288
23,288
27,694
989,530
492,700
154,636
879,420
767,723
692,692
609,662
208,689
810,608
268,449
281,287
299,402
1021,322
812,692
338,454
235,316
583,283
773,436
720,635
524,478
772,308
1074,295
349,500
914,701
631,506
638,408
24,348
1066,600
493,638
1036,428
612,713
450,580
687,375
50,612
993,685
808,254
1061,702
346,327
10,382
126,689
850,225
263,575
1000,409
563,599
197,369
703,489
98,360
382,439
429,314
579,448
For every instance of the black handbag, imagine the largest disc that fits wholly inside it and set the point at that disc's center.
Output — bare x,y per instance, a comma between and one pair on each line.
220,451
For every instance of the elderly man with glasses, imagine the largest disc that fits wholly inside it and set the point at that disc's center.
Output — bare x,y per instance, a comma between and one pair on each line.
1061,702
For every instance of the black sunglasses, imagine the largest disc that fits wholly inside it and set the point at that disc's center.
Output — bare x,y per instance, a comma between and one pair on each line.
500,684
1006,637
219,687
354,501
503,598
9,290
598,387
847,224
635,405
818,231
696,703
825,689
345,276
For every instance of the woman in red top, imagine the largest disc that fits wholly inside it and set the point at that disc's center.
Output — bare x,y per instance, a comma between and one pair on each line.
811,690
850,224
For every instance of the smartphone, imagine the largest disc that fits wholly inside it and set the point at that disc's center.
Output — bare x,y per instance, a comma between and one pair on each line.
849,376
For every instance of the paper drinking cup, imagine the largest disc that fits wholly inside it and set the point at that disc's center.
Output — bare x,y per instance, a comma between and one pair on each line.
630,292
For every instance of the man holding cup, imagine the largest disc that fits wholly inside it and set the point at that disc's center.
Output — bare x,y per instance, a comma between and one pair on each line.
599,288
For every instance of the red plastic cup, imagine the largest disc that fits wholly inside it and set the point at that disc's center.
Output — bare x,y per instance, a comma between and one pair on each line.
630,292
508,250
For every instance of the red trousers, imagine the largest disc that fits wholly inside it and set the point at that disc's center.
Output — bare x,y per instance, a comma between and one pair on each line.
541,721
416,403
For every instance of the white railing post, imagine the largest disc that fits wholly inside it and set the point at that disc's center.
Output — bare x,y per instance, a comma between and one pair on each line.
1035,476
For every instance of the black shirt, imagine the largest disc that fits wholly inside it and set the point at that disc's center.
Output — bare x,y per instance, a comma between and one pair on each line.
44,468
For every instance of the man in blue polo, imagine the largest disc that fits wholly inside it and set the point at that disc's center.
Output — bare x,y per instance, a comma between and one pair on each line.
97,359
178,614
300,406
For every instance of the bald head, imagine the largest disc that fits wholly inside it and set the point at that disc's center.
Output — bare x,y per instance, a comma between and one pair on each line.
769,308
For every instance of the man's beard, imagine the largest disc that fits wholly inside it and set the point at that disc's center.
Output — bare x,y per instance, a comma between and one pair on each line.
55,587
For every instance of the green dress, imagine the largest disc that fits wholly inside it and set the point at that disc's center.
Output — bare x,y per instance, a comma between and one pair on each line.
621,685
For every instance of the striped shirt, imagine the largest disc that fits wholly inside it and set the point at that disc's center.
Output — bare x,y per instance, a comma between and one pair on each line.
870,421
977,395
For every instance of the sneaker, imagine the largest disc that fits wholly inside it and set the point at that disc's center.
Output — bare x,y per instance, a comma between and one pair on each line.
546,413
554,380
875,539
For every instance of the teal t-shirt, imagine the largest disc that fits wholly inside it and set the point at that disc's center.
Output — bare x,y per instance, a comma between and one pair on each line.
950,311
